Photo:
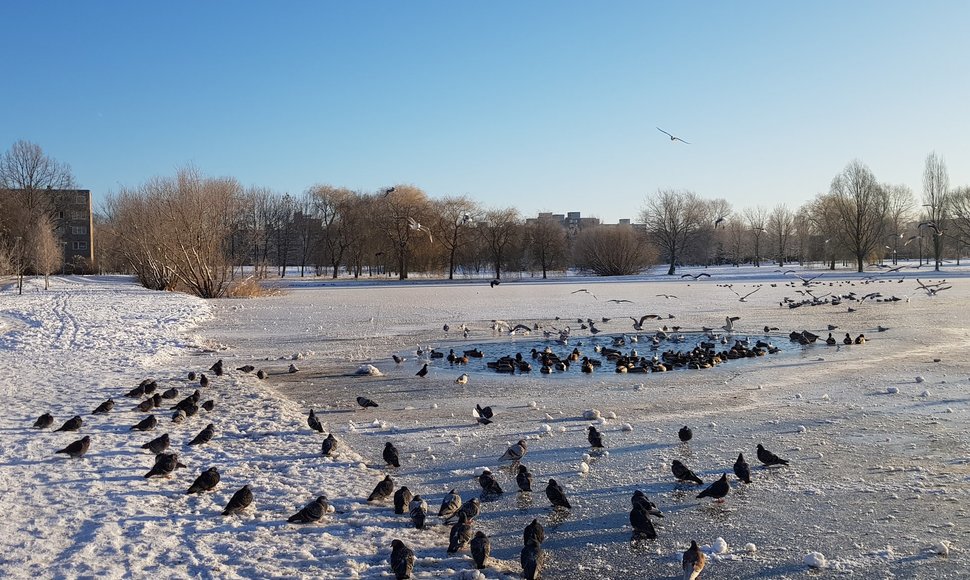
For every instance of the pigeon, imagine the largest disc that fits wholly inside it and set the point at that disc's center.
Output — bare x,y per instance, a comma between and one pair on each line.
328,444
682,473
769,458
209,405
203,381
523,478
313,422
402,498
685,434
397,359
239,501
462,379
423,372
191,376
178,416
494,283
418,510
365,402
158,444
217,368
741,469
534,531
78,448
642,526
595,438
104,407
402,560
483,414
481,548
471,508
556,495
460,534
693,561
717,490
260,374
292,369
382,490
149,403
516,452
311,512
170,393
489,484
450,505
206,481
44,421
640,499
165,464
204,435
72,424
146,424
532,560
391,456
246,368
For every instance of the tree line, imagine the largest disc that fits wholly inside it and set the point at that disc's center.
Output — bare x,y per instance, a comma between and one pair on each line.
204,234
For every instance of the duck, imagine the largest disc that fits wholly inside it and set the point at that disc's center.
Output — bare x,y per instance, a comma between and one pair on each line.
847,339
830,340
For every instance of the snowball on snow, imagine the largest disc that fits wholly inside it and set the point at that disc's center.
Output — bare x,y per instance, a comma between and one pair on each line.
720,546
802,429
627,427
815,560
545,428
919,379
750,548
533,404
611,415
892,390
591,414
369,370
583,468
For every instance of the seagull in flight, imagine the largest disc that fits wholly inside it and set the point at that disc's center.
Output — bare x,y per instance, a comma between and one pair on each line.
697,276
743,298
418,227
586,291
620,301
667,296
672,138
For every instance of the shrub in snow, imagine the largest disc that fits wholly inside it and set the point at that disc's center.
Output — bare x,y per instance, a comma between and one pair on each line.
815,560
369,370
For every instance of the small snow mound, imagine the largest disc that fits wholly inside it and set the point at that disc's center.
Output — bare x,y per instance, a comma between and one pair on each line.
545,428
815,560
925,394
825,397
480,470
533,405
638,387
586,457
750,548
802,429
611,415
562,428
601,421
548,417
892,390
720,546
627,427
942,548
369,370
713,425
583,468
471,575
605,454
949,409
591,414
434,405
798,395
919,379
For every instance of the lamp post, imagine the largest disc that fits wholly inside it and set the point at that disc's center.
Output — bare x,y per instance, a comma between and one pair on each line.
896,238
20,264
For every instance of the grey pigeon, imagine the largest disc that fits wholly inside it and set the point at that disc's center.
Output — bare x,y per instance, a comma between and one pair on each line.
191,376
206,481
741,469
481,548
44,421
178,416
293,369
490,485
190,409
532,559
78,448
418,510
683,473
239,501
146,405
311,512
209,405
390,455
146,424
104,407
158,444
534,531
595,438
165,464
217,368
246,368
423,372
402,497
556,495
450,505
328,445
204,435
365,402
524,479
313,422
72,424
402,560
260,374
717,490
382,490
471,509
769,458
170,393
516,452
461,534
642,526
203,380
685,434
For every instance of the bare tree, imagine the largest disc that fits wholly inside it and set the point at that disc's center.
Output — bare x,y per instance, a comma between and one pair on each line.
960,217
781,227
736,234
500,230
899,207
673,220
757,219
547,243
43,245
612,250
861,206
452,219
936,200
401,211
26,173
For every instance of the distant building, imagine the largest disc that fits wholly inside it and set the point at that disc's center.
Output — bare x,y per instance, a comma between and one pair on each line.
75,227
573,221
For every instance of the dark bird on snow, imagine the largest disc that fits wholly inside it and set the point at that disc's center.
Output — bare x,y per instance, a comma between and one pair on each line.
717,490
313,422
206,481
191,375
209,405
481,547
311,512
147,405
165,464
489,484
769,458
847,339
391,456
534,532
672,137
494,283
483,414
418,510
78,448
640,521
246,368
461,533
158,444
516,452
402,560
450,505
523,478
693,561
471,508
328,444
683,473
104,407
146,424
594,437
397,359
204,435
685,434
365,402
203,381
423,372
402,498
741,469
72,424
217,368
239,501
532,559
260,374
556,495
640,499
382,490
44,421
170,393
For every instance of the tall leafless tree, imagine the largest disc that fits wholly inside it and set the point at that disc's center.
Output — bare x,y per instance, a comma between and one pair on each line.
452,219
674,219
757,220
43,245
936,201
403,209
500,229
781,227
861,205
900,204
548,245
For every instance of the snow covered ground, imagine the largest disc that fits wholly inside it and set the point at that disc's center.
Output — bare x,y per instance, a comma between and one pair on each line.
878,479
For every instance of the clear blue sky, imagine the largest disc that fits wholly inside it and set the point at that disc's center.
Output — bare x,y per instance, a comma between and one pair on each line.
540,105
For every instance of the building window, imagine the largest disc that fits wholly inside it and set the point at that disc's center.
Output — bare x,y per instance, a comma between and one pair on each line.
79,245
79,230
78,215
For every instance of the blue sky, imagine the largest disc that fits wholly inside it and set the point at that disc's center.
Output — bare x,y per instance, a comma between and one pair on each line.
547,106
